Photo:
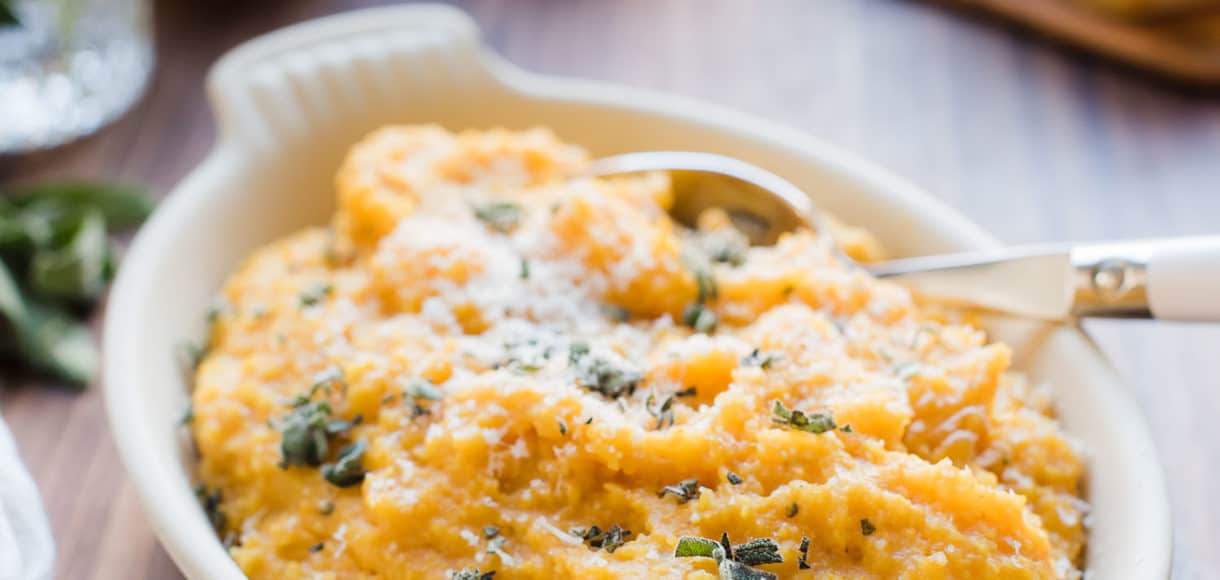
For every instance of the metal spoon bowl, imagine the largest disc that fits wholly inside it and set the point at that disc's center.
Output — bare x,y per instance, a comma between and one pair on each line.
761,204
1176,278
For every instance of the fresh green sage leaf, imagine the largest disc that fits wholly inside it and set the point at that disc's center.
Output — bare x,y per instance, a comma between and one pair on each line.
696,547
122,206
77,269
348,470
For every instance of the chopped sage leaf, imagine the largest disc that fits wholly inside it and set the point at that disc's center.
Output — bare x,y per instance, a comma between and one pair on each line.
601,374
326,507
189,415
615,312
734,478
734,562
563,427
700,318
757,551
304,434
473,574
867,527
793,509
819,422
687,392
348,469
211,506
610,540
664,414
422,389
724,246
314,549
500,216
684,490
760,359
846,429
689,547
614,539
490,532
802,562
577,351
315,295
731,570
705,285
525,269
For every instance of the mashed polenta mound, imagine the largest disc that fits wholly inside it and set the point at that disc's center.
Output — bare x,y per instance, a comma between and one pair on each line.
489,363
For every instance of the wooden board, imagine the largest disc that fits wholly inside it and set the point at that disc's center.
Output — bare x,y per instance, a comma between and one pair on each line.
1184,46
1033,142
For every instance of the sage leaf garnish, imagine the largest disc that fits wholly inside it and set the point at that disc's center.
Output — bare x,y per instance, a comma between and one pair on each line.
819,422
793,509
304,434
610,540
733,562
421,390
724,246
211,506
733,478
602,375
700,318
684,490
757,552
326,507
315,294
664,414
314,549
689,547
615,312
490,532
347,470
763,360
802,562
473,574
867,527
500,216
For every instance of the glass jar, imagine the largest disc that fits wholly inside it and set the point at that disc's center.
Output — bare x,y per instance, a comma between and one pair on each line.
67,67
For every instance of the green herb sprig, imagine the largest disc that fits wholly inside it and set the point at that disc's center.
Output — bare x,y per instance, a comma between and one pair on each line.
600,374
55,261
609,540
348,469
500,216
685,490
473,574
819,422
733,562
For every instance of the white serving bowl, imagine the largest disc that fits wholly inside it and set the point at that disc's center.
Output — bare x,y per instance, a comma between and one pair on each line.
290,103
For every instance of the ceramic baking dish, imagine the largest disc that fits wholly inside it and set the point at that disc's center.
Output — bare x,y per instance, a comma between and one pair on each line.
290,103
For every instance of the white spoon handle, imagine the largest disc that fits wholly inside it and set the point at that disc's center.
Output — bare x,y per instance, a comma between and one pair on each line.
1170,279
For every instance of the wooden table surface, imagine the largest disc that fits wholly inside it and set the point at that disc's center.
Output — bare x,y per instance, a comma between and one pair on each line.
1035,142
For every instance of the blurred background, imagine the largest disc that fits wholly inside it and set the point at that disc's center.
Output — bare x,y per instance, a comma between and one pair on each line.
1009,110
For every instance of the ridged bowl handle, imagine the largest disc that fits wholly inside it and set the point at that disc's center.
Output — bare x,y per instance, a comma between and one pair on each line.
340,70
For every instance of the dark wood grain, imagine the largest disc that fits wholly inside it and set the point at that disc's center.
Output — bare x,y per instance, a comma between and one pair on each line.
1035,143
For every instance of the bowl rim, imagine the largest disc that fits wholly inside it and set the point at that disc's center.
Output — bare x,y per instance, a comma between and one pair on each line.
137,278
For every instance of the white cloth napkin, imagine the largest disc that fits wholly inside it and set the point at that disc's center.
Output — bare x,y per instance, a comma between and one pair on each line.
27,551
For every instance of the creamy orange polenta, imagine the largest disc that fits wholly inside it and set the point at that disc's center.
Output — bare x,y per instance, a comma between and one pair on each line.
517,344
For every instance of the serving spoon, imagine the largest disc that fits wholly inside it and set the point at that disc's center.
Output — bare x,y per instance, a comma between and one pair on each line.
1168,278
